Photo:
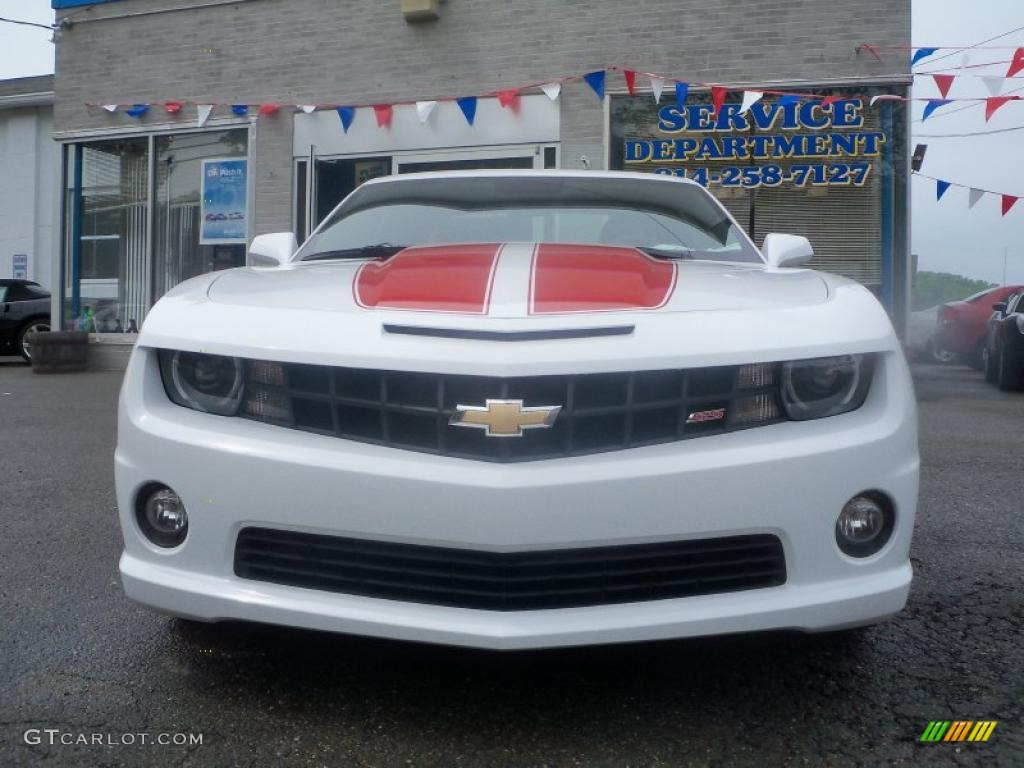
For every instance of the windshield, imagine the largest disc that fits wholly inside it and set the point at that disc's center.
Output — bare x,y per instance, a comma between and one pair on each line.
668,218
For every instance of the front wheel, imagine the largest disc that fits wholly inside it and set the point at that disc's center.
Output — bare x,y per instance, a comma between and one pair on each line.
938,354
1007,377
988,363
25,337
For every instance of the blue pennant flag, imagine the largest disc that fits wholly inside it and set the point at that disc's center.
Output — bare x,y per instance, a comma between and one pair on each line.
240,109
347,115
137,111
787,98
682,91
940,188
596,81
922,53
931,106
468,106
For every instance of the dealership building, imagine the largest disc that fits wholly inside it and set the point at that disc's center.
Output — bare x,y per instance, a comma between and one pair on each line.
187,127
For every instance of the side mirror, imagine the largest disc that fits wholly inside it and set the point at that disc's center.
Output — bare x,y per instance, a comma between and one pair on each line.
999,306
272,250
786,250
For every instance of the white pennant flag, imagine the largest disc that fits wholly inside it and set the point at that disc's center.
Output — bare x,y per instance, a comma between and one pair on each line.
657,85
424,109
203,113
994,84
750,98
551,90
974,196
110,107
308,108
965,60
884,97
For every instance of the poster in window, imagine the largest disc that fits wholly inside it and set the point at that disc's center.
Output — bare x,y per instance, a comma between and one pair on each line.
223,209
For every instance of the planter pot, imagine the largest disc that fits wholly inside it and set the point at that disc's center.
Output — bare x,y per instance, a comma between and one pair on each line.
60,351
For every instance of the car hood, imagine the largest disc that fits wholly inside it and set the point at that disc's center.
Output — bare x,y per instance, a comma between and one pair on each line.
519,280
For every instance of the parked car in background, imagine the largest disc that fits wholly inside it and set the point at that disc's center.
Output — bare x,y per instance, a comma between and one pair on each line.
1004,344
962,324
24,310
921,337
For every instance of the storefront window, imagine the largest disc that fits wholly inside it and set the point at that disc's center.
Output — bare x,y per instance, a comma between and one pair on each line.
115,267
181,249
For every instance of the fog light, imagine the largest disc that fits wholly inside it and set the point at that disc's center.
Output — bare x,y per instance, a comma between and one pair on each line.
864,524
161,516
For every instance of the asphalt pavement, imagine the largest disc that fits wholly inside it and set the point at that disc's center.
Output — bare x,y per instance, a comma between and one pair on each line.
77,659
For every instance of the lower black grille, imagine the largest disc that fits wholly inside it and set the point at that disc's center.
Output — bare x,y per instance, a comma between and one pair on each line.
510,581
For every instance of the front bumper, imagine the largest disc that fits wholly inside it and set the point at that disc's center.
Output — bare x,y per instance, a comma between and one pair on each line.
789,480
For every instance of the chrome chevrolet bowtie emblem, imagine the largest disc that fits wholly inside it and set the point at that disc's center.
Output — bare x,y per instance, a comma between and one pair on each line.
504,418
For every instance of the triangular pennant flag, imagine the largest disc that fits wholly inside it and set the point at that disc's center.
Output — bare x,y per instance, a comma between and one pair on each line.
269,109
509,99
172,107
965,61
922,53
750,98
940,188
347,115
1017,63
931,106
630,77
137,111
992,103
682,91
974,196
944,82
203,113
885,97
788,98
551,90
308,108
468,106
870,49
657,86
110,107
596,81
994,84
718,97
827,100
1008,201
240,109
423,110
384,114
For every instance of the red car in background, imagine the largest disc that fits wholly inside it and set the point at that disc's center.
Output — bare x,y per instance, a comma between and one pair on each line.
963,324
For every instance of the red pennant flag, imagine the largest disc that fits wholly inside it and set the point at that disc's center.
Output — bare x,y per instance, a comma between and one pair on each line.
870,49
383,113
630,76
944,82
1017,64
828,100
172,107
992,103
718,97
509,99
269,109
1008,201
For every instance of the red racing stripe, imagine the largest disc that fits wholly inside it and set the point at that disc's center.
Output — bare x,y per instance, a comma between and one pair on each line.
597,278
438,278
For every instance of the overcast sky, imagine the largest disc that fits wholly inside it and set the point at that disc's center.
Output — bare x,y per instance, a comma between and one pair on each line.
946,235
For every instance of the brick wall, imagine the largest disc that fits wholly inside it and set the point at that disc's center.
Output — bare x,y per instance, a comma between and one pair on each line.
354,51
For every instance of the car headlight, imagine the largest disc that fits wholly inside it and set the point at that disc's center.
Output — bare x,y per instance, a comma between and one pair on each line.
208,383
825,386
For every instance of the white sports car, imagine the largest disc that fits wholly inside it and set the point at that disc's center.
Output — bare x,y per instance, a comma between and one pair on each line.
515,410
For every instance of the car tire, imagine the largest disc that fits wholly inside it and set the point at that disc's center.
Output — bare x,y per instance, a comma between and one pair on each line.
937,354
1007,378
24,344
988,365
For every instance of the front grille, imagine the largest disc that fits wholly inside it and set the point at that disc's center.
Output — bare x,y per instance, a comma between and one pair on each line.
510,581
599,412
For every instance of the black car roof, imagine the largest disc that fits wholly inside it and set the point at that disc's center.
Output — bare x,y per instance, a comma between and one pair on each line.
16,281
